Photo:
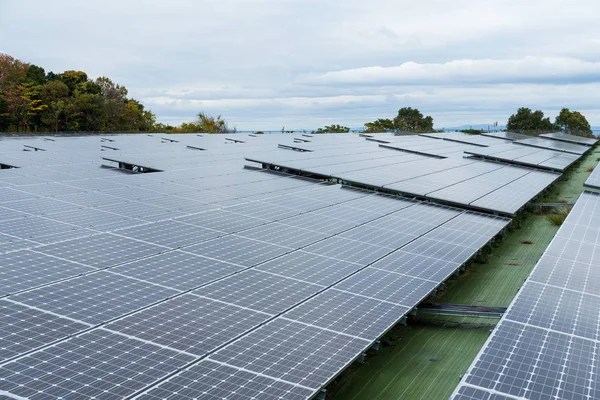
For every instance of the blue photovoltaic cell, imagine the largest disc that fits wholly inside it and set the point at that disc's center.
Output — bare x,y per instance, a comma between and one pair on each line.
211,380
209,280
195,325
260,291
26,269
94,298
23,329
291,351
97,364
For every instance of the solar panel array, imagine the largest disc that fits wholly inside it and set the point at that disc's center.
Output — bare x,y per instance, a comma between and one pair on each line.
459,137
424,145
544,143
593,181
207,279
563,137
526,156
470,183
512,136
546,345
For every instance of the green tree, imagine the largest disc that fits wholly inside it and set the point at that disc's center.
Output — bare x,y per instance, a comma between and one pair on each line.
573,122
205,123
72,79
408,119
53,94
333,129
86,113
411,120
31,100
380,125
527,121
36,75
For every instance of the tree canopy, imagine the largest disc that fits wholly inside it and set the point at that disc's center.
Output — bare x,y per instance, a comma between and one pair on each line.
573,122
527,121
333,129
408,120
33,101
205,123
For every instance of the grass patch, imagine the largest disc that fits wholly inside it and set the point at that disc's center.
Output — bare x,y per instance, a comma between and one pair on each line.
558,216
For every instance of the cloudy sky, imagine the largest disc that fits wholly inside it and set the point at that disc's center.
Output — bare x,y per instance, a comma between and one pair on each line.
266,64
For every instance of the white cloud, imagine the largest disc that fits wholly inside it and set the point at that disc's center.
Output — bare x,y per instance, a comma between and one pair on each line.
269,61
528,69
449,105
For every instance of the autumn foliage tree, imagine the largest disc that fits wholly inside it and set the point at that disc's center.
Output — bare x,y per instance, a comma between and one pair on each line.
408,119
205,123
33,100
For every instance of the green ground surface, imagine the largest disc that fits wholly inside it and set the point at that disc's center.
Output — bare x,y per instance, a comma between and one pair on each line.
428,356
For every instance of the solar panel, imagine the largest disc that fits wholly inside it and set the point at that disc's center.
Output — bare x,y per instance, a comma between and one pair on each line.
417,265
554,145
506,135
381,237
26,269
348,250
563,137
212,380
189,323
10,195
320,223
94,298
101,251
530,362
177,269
471,393
208,257
91,218
545,346
269,212
347,313
441,250
260,291
593,181
238,250
310,268
464,181
570,274
34,227
293,352
223,221
528,156
9,244
37,206
284,235
97,364
344,213
388,286
23,329
558,309
170,234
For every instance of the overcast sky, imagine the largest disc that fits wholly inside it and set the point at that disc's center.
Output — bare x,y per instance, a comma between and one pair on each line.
265,64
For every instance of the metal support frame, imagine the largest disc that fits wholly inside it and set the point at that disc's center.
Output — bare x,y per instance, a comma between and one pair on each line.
362,358
6,166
